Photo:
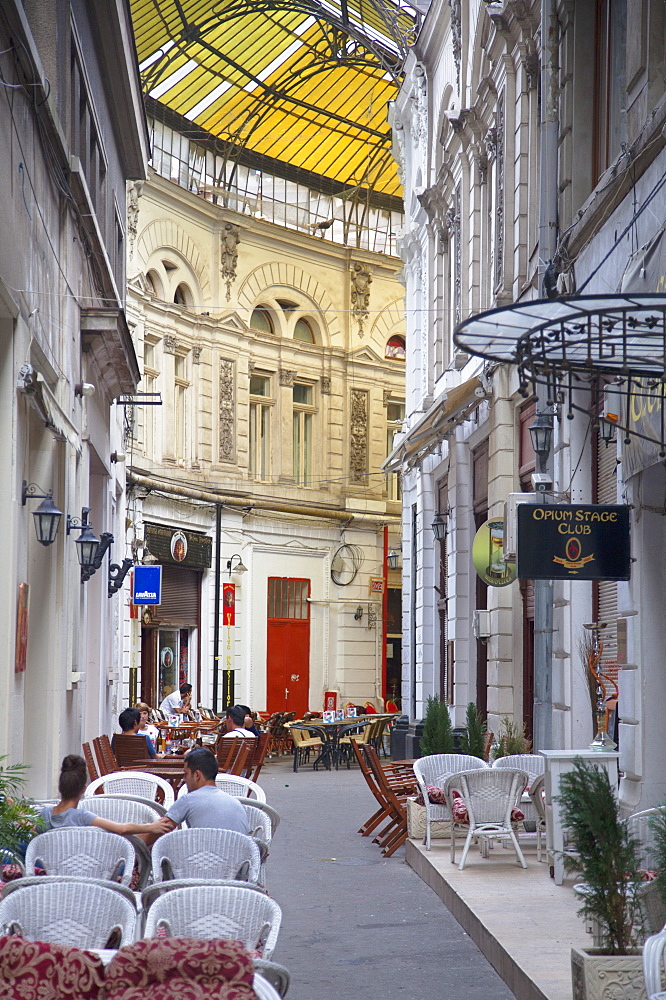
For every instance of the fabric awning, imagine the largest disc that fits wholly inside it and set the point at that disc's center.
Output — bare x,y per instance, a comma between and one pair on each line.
444,415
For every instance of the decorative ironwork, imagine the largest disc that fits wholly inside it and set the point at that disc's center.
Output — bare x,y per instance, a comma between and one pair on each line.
227,411
358,435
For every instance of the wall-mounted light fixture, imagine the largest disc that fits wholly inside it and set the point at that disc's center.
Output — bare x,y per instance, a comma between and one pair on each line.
84,389
117,574
440,524
393,559
541,432
358,614
117,456
86,544
239,567
608,428
47,516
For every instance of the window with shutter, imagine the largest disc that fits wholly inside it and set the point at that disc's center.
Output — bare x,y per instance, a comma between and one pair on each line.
181,596
605,597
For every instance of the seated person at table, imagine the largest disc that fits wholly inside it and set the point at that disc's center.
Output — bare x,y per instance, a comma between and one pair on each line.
71,786
129,721
249,723
178,702
205,805
235,723
145,727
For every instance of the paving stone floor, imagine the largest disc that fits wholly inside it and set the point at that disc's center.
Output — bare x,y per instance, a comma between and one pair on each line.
356,925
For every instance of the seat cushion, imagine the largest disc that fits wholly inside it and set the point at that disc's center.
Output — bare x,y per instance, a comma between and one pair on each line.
38,970
181,969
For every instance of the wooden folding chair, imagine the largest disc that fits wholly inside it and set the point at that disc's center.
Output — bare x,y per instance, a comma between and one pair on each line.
256,757
403,781
130,750
106,761
243,750
90,761
393,791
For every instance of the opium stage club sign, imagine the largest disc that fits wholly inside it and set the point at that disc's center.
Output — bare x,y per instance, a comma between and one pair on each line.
573,541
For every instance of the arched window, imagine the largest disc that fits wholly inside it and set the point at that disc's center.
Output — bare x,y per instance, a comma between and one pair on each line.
154,284
395,348
261,320
182,295
303,331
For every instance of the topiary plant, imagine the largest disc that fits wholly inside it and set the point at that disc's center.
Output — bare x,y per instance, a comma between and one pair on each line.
437,734
473,740
608,857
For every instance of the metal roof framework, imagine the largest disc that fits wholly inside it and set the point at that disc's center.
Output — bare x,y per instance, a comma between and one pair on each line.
304,82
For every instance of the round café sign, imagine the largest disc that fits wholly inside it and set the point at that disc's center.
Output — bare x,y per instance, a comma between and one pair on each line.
488,555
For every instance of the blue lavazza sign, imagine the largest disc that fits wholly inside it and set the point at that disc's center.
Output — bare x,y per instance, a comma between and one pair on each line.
147,585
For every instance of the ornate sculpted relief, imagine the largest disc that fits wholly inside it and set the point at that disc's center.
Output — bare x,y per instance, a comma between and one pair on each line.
286,376
361,279
453,225
325,383
196,354
499,192
229,240
133,195
419,119
456,36
227,446
358,435
170,344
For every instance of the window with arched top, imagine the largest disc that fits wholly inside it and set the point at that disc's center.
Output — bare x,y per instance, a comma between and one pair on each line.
154,284
303,331
395,348
262,320
182,295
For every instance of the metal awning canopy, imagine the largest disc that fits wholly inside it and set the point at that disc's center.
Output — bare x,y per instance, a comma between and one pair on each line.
606,335
299,81
439,420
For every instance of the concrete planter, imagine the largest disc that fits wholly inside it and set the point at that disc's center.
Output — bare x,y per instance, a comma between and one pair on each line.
606,977
416,823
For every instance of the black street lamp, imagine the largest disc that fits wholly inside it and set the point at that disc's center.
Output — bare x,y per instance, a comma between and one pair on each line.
47,516
541,433
439,525
87,543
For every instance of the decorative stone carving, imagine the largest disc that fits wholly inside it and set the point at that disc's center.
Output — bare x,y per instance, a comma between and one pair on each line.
358,435
325,383
227,438
386,397
456,36
286,376
170,344
606,977
499,193
419,120
482,167
229,240
133,194
196,354
361,279
491,143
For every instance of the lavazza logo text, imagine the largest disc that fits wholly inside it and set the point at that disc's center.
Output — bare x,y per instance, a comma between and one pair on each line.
146,595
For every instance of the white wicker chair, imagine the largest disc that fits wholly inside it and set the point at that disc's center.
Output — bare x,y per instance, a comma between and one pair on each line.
77,914
220,854
21,883
535,765
653,964
489,795
240,914
125,809
234,784
434,769
265,989
273,815
538,800
275,974
139,783
83,851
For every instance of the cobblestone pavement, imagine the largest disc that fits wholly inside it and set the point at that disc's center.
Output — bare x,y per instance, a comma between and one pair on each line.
356,925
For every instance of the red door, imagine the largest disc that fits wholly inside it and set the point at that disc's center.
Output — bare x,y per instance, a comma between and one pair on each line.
288,646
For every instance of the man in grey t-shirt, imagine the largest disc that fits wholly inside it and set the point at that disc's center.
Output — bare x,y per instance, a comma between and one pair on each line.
205,805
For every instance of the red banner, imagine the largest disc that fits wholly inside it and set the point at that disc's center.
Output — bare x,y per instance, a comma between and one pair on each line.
229,603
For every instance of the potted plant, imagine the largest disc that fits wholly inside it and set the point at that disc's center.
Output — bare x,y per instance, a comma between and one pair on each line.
473,739
511,739
607,859
18,815
437,736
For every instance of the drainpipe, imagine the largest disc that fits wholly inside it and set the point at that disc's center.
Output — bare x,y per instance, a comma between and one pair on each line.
216,603
384,609
548,192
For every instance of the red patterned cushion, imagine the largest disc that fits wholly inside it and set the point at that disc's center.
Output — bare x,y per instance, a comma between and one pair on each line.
436,795
461,817
37,970
180,969
647,874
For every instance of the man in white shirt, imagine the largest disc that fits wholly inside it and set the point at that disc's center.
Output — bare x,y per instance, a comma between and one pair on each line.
178,702
235,723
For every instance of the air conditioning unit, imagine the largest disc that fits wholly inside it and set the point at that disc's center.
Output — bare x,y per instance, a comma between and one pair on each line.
481,624
511,521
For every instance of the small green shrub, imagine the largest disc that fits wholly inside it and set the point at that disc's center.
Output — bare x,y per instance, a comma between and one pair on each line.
437,729
473,740
511,739
18,815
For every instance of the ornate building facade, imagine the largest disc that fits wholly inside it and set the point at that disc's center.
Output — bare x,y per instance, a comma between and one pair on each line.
278,360
531,142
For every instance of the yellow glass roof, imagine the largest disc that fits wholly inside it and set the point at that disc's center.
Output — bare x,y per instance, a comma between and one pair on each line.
304,82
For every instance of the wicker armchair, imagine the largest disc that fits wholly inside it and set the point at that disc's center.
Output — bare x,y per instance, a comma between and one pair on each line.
140,783
82,850
490,795
222,854
276,975
433,770
128,810
234,784
218,912
73,913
